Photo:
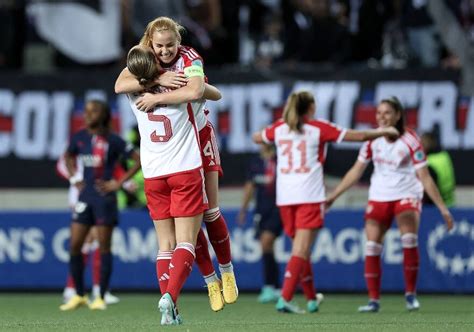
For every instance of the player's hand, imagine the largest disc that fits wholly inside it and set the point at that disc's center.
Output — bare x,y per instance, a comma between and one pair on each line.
79,185
147,102
241,217
448,219
391,133
329,201
172,80
105,187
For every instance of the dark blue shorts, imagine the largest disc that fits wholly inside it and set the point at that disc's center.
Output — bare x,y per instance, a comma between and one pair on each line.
101,211
268,221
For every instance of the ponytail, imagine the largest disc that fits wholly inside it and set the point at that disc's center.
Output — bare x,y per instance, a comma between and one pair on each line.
296,107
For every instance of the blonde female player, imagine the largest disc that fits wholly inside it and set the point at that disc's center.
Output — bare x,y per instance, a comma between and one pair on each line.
396,190
300,142
163,37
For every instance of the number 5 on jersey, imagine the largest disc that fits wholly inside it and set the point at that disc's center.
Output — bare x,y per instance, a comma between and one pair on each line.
168,132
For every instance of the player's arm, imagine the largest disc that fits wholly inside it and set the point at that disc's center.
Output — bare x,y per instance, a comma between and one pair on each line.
211,92
432,191
365,135
194,90
249,189
127,82
349,179
115,184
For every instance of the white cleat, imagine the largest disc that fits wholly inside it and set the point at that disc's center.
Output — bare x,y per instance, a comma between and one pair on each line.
412,303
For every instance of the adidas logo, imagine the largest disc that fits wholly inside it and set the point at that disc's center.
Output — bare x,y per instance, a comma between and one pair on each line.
164,277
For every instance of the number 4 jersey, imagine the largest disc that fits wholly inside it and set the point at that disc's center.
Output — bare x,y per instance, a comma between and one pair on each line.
169,142
300,159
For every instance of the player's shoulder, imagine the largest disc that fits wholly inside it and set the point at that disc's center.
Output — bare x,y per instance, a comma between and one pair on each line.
277,123
189,53
411,139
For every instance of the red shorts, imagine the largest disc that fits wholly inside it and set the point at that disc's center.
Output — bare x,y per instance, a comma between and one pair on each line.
384,212
178,195
211,159
301,216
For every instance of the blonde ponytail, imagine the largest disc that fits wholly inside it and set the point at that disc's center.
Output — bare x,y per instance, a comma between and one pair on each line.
297,106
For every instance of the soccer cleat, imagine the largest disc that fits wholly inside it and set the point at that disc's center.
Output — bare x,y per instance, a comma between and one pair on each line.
216,300
411,302
169,315
68,293
289,307
109,298
372,306
98,304
229,287
313,305
268,294
75,302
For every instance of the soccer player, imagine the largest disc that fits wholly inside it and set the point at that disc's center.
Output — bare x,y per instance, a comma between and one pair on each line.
90,249
185,60
300,142
98,151
396,190
261,177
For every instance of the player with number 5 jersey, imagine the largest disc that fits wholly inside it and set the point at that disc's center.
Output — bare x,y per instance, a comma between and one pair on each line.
301,147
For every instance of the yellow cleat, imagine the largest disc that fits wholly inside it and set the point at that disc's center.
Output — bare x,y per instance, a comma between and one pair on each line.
216,300
98,304
74,302
229,286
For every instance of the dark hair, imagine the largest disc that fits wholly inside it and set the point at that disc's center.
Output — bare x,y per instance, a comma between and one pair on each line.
141,63
296,107
106,121
395,103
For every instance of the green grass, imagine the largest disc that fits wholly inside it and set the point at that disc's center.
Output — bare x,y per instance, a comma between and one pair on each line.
137,312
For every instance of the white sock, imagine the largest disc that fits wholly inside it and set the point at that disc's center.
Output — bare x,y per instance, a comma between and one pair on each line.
227,268
211,278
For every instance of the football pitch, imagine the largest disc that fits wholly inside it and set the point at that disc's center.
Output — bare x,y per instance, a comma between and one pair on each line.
137,312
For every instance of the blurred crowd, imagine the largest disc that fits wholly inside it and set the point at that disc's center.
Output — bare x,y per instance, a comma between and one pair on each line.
44,35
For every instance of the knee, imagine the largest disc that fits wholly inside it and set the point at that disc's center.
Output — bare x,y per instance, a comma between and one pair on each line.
409,240
373,248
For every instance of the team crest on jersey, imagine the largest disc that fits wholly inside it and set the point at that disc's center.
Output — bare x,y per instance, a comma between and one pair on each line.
419,155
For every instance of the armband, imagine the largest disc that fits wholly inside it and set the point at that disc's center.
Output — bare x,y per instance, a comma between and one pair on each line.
194,71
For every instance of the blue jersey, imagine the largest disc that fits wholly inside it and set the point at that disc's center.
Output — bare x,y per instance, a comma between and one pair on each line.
98,156
263,175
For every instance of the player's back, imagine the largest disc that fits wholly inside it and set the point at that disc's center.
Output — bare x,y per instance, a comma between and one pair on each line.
168,143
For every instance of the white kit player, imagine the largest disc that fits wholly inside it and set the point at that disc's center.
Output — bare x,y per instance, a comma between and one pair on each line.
396,189
301,147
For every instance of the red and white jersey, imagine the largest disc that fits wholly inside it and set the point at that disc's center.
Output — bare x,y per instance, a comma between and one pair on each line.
169,142
395,165
300,159
186,57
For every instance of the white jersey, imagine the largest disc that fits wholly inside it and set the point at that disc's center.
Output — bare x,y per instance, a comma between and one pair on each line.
395,165
186,57
300,159
169,142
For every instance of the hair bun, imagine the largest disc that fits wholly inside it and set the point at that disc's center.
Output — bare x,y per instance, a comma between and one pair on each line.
142,81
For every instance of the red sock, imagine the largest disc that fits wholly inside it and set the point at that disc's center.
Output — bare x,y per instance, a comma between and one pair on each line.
292,276
410,267
218,235
70,282
203,259
96,267
373,274
307,281
163,269
180,267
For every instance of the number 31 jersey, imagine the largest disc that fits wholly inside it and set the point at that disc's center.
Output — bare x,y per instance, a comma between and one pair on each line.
300,159
169,142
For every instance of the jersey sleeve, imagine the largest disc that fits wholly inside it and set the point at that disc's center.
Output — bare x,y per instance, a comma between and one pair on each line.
268,134
331,132
193,63
365,152
417,154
